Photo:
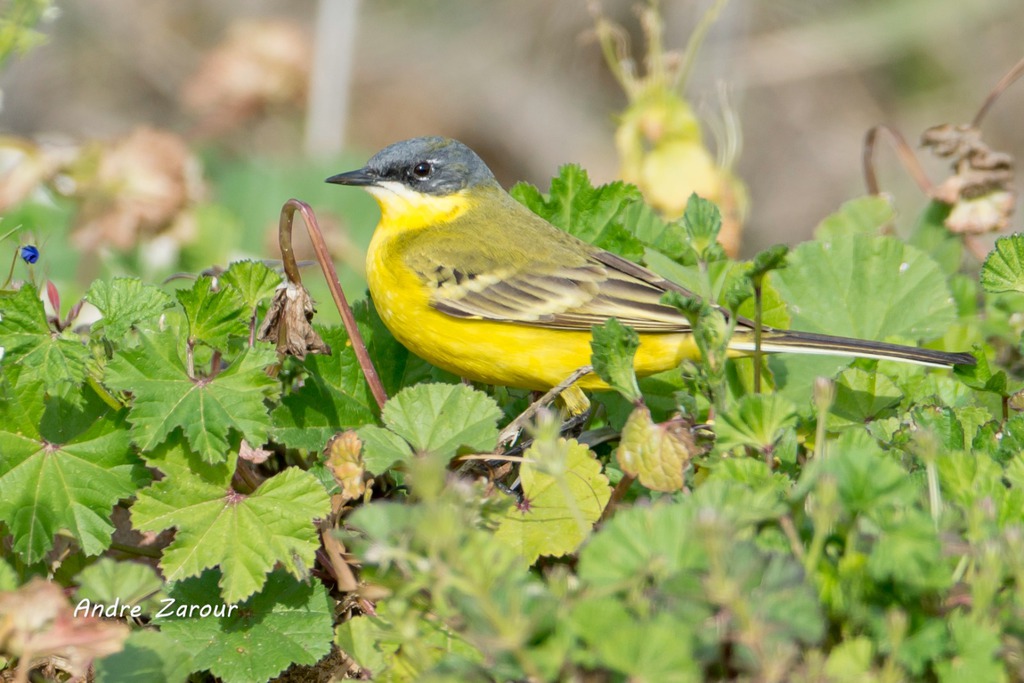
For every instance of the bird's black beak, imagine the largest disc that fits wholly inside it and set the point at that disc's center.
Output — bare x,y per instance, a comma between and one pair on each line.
361,178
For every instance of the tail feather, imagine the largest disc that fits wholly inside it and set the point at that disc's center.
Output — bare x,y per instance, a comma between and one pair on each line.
793,341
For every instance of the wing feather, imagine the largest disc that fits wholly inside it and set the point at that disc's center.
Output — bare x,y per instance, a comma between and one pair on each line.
565,297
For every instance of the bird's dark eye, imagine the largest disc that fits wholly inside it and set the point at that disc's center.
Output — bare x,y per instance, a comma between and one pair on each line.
422,169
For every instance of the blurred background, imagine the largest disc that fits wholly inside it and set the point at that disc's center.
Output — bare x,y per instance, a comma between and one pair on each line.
222,111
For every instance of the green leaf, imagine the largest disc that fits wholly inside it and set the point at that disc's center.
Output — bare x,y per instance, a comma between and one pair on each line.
795,374
246,535
56,360
1003,270
382,448
909,552
253,281
752,472
867,479
62,469
931,236
430,651
333,397
207,410
709,284
980,376
213,316
642,546
668,238
1011,438
783,605
740,292
147,657
860,216
123,583
656,454
288,622
736,504
175,459
937,428
977,645
971,419
772,258
702,221
124,303
658,648
877,287
862,396
595,215
8,577
759,421
925,645
710,329
662,393
773,308
358,637
442,419
969,478
564,494
614,347
850,660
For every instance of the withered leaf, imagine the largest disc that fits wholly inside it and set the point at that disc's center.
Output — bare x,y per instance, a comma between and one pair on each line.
289,323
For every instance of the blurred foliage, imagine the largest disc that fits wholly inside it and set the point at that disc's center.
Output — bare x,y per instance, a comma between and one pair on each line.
18,20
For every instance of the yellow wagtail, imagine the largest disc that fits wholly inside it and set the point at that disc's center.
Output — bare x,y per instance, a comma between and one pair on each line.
475,283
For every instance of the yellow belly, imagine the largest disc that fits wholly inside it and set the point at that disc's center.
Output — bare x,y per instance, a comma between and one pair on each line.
506,354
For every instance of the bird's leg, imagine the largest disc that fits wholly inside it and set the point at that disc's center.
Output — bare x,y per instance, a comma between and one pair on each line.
574,400
576,411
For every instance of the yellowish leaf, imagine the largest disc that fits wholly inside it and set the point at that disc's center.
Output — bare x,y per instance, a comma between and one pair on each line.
657,454
564,495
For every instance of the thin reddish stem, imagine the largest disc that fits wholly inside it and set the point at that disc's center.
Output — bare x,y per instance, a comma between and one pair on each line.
1005,82
291,270
903,150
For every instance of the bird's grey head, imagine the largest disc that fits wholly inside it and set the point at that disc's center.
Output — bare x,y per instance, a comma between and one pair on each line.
431,165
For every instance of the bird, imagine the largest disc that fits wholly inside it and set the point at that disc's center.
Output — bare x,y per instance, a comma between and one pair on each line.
472,281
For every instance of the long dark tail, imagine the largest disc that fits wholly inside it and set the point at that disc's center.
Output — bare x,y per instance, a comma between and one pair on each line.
792,341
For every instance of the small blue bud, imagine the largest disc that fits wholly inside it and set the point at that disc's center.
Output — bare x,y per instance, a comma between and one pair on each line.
29,254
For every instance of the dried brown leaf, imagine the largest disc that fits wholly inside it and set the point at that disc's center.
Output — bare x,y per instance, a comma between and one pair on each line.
141,184
979,215
980,189
260,63
288,323
257,456
25,167
656,454
38,623
345,460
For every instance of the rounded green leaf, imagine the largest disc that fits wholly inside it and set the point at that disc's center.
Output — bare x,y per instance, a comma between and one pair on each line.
865,287
564,495
1004,268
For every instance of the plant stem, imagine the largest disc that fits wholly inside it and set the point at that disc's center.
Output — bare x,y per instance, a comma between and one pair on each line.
291,270
1005,82
903,150
136,550
190,357
934,492
757,336
618,493
10,273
